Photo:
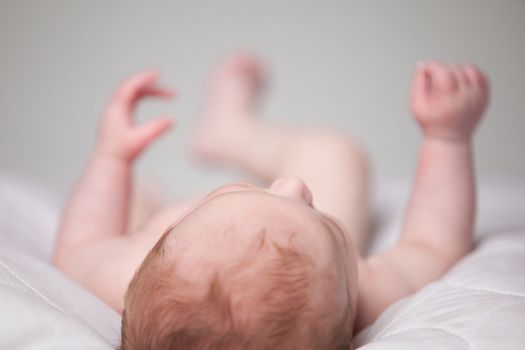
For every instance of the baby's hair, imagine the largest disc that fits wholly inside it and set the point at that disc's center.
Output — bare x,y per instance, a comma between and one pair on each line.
164,311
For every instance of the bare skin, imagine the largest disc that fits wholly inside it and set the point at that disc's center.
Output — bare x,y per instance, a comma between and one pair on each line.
318,175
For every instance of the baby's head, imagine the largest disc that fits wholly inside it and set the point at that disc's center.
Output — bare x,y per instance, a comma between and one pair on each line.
247,268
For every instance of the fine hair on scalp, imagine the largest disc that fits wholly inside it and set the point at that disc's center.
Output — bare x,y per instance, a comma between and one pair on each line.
164,311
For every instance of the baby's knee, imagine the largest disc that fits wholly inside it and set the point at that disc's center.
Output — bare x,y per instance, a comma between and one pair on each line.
344,147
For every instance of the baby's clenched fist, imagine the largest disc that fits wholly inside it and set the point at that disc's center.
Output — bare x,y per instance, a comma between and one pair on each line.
448,100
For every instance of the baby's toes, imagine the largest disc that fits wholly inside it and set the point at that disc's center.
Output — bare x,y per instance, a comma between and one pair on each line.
242,64
443,79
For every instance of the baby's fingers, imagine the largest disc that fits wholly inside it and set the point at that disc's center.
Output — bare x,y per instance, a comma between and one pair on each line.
131,87
476,77
157,91
442,79
146,133
420,83
134,88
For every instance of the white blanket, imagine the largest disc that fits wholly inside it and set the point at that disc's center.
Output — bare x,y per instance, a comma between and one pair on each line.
479,304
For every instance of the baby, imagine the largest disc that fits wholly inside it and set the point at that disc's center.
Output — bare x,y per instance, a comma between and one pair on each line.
277,267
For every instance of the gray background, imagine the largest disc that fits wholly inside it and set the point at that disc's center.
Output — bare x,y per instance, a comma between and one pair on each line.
341,63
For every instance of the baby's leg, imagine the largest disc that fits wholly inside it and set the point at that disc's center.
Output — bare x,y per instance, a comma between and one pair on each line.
331,164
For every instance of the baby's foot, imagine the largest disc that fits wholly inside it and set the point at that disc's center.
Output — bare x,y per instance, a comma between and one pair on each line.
448,100
231,95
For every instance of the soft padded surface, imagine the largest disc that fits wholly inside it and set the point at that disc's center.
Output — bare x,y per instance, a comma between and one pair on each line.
40,307
479,304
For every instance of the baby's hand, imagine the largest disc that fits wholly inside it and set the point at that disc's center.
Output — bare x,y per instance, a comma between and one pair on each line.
119,135
448,100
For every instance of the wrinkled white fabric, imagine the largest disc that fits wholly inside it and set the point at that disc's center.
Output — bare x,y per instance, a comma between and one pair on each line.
40,307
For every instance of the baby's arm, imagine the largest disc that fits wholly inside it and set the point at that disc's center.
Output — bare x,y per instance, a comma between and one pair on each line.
98,207
447,102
